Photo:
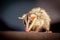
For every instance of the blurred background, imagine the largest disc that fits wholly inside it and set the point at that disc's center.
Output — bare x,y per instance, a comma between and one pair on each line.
12,9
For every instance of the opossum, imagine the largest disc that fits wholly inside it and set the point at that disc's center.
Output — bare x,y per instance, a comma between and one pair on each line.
41,20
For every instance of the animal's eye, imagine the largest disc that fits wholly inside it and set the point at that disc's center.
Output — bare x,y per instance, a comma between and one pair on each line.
30,22
24,22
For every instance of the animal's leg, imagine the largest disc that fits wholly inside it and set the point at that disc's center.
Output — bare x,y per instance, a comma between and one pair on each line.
38,29
40,25
48,30
47,27
33,22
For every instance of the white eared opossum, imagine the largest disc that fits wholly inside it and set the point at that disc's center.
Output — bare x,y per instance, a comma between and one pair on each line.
36,19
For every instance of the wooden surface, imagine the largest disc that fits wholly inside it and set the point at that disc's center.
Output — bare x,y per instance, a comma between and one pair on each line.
30,35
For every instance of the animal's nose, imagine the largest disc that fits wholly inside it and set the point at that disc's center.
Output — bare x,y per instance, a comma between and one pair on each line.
27,30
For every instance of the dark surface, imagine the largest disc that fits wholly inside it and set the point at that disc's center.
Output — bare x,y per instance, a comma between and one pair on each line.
30,35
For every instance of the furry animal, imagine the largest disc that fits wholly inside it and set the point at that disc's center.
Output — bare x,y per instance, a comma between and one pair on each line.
37,19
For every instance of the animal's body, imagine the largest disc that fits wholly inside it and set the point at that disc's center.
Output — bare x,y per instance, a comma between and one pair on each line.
39,20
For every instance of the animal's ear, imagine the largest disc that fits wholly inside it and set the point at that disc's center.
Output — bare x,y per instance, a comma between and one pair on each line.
20,18
23,16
